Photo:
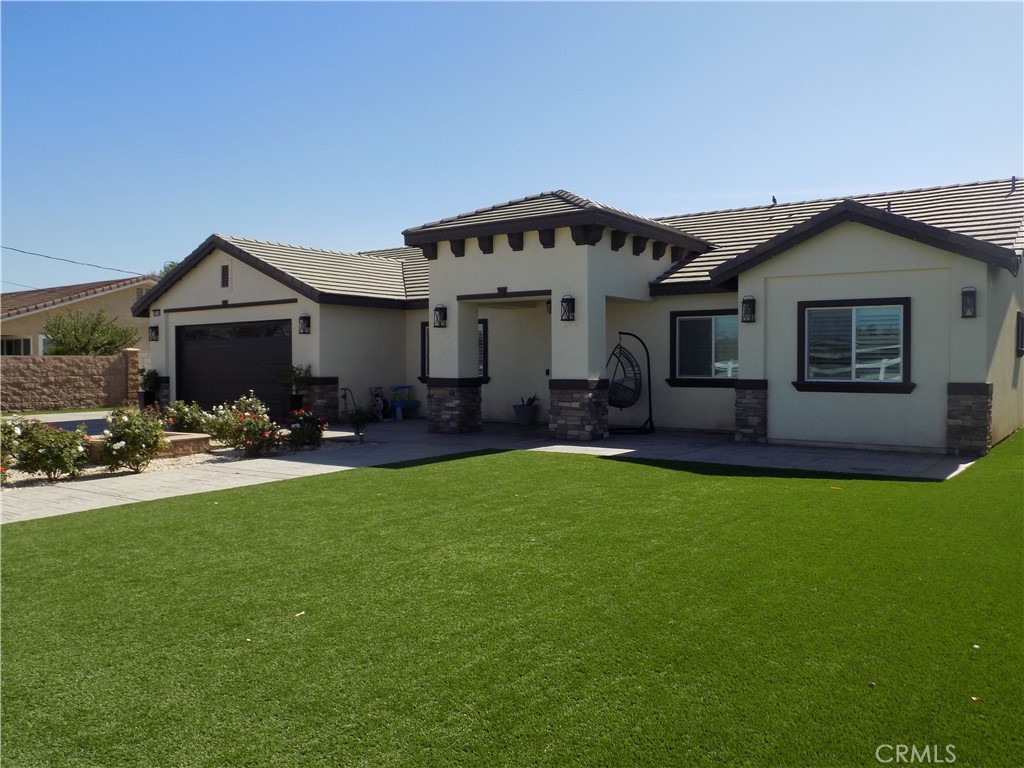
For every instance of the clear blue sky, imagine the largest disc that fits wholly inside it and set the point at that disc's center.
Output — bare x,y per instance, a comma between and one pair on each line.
132,131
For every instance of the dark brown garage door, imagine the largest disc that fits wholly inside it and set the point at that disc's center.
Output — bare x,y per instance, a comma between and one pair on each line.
220,363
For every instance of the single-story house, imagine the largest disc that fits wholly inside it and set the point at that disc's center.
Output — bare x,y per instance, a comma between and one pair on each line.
23,313
880,321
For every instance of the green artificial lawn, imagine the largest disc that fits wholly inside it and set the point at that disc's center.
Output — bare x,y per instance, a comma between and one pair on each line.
522,609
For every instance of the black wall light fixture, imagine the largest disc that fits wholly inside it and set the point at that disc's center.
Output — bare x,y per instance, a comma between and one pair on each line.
440,316
969,302
748,309
154,333
568,308
305,324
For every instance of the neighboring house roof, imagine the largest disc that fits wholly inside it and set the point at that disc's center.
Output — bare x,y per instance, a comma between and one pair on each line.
549,210
19,303
393,277
989,212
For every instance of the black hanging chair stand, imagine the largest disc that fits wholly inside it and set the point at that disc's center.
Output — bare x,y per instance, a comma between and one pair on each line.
626,384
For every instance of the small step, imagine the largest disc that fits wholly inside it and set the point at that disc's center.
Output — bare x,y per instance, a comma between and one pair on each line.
178,444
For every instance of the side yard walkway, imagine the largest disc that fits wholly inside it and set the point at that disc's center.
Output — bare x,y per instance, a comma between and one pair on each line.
390,443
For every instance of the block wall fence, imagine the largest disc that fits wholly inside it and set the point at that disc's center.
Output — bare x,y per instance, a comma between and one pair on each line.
58,382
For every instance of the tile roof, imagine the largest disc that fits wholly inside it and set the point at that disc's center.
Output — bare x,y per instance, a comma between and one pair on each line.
557,208
371,274
16,303
990,211
388,277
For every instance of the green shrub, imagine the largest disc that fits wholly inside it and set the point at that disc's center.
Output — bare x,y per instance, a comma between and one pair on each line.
50,450
180,416
245,424
306,429
11,432
133,438
358,419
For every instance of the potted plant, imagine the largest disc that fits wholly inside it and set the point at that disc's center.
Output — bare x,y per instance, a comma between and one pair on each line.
358,419
293,377
149,384
526,410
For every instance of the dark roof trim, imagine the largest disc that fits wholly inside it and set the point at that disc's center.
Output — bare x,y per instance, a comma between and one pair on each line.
371,301
208,246
237,305
687,289
851,210
591,216
504,295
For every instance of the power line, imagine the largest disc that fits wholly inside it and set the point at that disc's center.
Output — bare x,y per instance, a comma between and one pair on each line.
20,285
72,261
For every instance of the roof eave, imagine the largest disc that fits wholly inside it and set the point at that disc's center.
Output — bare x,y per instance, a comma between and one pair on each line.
427,233
852,211
208,246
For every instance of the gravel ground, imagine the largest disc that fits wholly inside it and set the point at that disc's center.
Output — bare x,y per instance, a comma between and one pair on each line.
217,455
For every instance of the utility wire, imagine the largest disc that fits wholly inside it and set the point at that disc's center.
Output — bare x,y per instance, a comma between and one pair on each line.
71,261
20,285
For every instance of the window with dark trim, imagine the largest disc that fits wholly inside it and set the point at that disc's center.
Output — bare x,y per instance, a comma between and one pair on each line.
704,349
482,348
424,351
1020,334
19,347
858,345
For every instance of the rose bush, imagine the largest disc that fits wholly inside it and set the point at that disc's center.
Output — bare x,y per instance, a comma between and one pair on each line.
306,429
50,450
245,424
133,438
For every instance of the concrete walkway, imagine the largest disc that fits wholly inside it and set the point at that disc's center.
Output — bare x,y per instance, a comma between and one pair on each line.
392,443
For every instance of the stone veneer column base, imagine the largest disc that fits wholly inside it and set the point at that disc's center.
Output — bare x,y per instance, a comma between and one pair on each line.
454,409
579,409
320,395
751,410
968,418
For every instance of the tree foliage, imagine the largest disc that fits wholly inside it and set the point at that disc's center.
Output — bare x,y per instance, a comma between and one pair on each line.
71,333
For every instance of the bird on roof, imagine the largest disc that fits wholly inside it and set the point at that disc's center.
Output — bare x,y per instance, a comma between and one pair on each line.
774,201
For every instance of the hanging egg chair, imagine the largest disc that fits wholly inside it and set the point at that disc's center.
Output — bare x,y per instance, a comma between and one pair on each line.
625,383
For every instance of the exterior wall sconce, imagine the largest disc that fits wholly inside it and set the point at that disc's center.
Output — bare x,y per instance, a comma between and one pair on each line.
154,333
969,302
568,308
440,316
305,324
748,309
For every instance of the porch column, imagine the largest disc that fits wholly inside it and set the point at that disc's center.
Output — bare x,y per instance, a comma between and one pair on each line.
751,410
968,418
453,388
579,396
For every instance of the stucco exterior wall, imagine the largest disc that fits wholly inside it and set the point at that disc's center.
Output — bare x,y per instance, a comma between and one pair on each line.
364,347
853,261
588,273
998,309
116,304
198,299
696,408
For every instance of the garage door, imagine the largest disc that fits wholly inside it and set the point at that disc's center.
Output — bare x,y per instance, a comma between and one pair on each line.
219,363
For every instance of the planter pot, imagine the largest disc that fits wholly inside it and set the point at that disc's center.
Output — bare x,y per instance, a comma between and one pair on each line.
525,414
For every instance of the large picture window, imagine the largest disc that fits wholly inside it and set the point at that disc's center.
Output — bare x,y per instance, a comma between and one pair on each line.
854,346
705,348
